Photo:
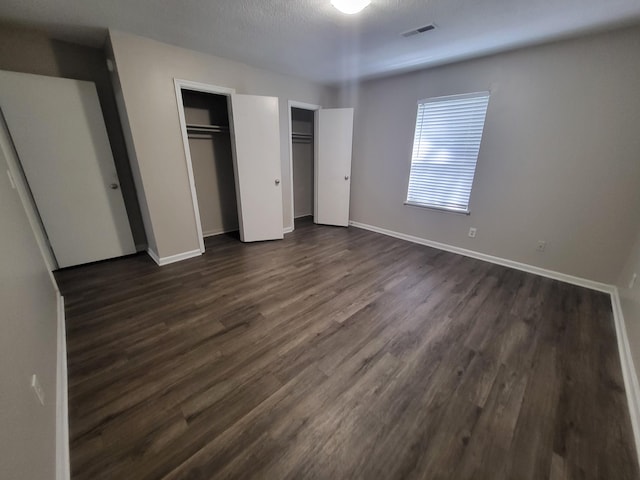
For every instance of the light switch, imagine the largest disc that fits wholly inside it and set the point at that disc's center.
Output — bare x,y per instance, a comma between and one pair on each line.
13,184
37,388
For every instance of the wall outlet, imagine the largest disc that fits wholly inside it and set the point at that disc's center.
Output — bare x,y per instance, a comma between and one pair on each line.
472,232
541,245
37,388
632,282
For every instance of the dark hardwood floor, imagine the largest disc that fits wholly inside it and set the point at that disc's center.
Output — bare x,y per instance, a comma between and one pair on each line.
339,354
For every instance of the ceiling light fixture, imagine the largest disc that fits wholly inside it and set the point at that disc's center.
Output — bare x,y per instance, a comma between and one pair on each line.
350,6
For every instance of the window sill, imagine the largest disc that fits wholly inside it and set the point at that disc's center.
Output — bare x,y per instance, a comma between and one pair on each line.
438,209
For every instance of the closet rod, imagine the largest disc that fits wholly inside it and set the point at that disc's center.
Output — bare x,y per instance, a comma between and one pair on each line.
201,135
207,128
302,137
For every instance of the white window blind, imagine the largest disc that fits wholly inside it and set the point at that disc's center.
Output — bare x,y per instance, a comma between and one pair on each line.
445,151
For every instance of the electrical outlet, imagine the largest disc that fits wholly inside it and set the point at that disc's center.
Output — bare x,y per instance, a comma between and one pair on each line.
37,388
472,232
541,245
632,282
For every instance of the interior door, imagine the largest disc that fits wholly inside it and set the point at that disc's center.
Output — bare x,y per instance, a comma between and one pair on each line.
334,136
256,134
59,134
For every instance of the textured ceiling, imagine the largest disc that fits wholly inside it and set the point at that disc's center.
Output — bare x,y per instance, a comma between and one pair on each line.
309,38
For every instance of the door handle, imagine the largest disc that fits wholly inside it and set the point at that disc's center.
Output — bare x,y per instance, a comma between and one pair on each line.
113,186
346,177
277,181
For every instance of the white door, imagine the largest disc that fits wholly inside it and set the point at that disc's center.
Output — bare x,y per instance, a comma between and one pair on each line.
59,134
334,135
256,135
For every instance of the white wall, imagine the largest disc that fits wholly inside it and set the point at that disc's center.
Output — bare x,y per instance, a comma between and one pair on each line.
28,344
146,70
558,162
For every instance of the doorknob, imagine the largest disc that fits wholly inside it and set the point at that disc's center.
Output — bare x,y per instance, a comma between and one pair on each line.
346,177
113,186
277,181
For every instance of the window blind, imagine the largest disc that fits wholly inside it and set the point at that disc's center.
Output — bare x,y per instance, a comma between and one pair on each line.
445,151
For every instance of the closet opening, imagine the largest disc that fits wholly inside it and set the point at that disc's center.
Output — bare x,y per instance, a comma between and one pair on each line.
303,147
209,148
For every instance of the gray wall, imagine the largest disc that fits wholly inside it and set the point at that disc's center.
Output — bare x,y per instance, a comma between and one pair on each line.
302,179
31,51
27,345
215,184
146,71
558,162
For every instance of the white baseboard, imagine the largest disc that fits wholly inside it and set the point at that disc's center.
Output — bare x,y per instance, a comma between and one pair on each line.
218,232
629,374
563,277
161,261
154,256
63,471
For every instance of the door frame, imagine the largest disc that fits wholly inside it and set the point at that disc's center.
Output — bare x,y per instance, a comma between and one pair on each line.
180,85
304,106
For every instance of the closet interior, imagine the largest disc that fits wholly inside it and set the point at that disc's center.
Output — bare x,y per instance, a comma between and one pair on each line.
207,123
302,153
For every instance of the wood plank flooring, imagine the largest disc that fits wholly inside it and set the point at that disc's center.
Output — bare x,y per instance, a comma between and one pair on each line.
340,354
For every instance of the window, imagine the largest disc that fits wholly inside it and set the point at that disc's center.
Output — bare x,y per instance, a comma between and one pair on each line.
445,151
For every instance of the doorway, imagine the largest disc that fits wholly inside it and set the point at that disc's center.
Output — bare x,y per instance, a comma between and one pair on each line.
65,170
302,148
205,121
251,125
208,133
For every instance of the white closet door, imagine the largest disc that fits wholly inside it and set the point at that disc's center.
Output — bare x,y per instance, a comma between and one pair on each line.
59,133
256,134
334,137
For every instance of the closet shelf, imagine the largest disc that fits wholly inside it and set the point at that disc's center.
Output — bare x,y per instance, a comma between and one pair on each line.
301,137
194,128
